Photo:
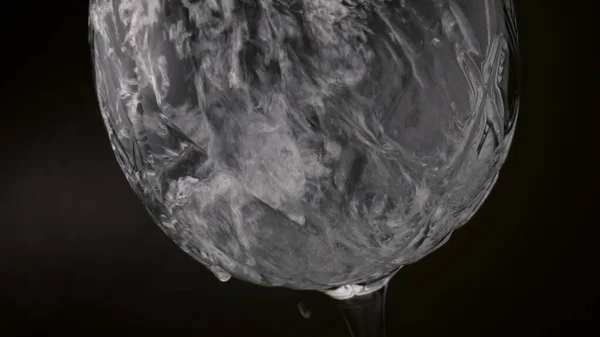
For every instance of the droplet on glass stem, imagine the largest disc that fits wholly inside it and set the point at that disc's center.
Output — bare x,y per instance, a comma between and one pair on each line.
304,311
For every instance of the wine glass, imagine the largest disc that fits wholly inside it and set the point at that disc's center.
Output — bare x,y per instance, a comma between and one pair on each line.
310,144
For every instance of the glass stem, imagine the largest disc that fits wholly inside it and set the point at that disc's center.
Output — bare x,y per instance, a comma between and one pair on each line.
365,314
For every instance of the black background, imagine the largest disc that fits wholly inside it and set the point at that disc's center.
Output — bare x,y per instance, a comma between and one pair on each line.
79,254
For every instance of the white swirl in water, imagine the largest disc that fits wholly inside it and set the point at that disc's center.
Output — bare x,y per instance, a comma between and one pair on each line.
314,143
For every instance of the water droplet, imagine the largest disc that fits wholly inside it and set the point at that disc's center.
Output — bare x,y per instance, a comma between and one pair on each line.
304,311
222,275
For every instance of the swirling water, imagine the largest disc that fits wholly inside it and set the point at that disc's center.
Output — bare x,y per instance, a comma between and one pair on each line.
308,144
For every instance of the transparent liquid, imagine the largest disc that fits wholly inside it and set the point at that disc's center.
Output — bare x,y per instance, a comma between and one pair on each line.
308,144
